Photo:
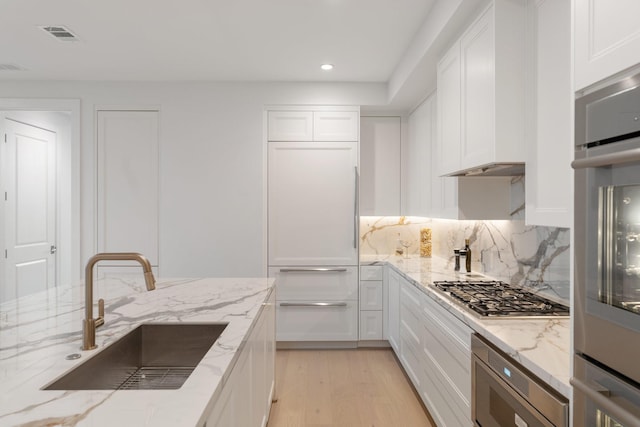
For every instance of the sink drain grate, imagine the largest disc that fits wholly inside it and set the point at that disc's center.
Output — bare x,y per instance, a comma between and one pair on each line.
156,378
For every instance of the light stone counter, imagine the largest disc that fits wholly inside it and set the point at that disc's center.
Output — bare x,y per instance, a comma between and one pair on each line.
540,345
37,332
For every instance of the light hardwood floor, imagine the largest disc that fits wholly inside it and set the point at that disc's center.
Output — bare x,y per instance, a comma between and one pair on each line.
360,387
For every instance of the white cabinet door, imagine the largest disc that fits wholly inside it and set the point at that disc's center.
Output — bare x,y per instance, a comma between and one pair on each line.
607,39
317,321
380,166
449,102
371,295
128,192
477,113
312,203
370,325
335,125
393,312
317,284
290,126
418,159
549,177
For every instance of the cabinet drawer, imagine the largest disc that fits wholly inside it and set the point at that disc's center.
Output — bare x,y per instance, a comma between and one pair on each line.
308,321
370,325
315,284
370,295
371,272
290,126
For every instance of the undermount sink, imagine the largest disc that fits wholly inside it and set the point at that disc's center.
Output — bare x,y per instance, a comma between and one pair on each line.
150,357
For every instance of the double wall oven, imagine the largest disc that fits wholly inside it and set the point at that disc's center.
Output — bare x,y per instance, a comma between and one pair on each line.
607,256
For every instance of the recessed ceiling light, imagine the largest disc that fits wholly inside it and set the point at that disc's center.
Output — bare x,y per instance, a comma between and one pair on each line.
327,67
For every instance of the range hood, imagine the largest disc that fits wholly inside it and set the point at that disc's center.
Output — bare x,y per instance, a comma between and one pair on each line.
492,169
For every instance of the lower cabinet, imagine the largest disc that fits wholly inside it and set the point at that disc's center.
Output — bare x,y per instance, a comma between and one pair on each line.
435,351
246,397
316,304
372,304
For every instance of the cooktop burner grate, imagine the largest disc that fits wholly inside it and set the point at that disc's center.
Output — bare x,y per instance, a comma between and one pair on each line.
499,299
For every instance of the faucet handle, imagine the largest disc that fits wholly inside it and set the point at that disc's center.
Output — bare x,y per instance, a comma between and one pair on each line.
100,319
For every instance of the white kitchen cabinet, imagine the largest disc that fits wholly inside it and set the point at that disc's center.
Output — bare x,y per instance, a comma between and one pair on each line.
245,399
290,126
128,185
316,303
435,351
393,309
335,126
304,126
418,160
549,178
489,89
312,206
606,39
380,139
371,303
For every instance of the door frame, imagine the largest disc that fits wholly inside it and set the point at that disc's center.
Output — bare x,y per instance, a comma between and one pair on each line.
73,217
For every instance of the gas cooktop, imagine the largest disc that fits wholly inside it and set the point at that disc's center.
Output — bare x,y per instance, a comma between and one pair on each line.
499,299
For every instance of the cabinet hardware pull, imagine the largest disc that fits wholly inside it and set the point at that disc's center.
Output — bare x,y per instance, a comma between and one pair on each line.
626,156
599,397
313,304
356,222
321,270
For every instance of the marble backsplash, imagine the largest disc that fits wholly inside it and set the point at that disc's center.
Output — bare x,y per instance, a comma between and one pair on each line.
532,256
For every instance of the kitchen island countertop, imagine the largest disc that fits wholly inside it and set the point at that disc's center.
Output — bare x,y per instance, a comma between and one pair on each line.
38,331
540,345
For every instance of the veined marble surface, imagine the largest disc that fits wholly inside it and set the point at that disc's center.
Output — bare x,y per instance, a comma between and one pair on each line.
540,345
38,331
534,257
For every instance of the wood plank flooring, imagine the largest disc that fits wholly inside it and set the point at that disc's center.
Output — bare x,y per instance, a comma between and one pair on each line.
359,387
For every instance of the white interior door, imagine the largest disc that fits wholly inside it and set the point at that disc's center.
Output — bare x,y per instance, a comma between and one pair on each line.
29,162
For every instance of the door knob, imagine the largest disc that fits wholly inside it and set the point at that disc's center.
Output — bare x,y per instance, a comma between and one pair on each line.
54,249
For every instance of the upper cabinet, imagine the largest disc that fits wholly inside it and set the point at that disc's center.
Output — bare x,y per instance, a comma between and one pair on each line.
607,39
549,177
380,139
481,91
303,126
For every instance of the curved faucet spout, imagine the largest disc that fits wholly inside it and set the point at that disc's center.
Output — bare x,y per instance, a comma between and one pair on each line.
90,324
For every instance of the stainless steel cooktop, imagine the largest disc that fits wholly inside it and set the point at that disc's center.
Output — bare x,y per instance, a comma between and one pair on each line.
499,299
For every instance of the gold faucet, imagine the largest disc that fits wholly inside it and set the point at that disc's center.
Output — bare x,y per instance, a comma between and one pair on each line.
89,324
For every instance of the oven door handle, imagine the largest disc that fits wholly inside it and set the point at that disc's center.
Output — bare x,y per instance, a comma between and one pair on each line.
600,396
626,156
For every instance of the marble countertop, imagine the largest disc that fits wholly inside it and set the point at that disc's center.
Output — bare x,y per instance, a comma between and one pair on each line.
540,345
37,332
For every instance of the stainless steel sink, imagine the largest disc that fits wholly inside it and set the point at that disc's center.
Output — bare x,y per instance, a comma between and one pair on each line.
151,357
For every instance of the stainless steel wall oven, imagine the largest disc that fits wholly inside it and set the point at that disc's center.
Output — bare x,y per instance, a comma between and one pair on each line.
607,256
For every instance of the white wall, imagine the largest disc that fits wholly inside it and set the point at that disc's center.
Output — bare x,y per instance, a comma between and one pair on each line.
211,162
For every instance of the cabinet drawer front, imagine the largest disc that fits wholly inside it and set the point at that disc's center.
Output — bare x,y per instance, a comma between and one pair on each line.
370,325
309,284
371,272
453,328
411,298
290,126
304,321
370,295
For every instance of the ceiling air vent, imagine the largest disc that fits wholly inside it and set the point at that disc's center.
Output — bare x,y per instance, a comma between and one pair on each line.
61,33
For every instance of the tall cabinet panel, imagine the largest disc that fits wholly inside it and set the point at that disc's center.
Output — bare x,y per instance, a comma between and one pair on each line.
549,117
128,193
313,228
312,209
380,165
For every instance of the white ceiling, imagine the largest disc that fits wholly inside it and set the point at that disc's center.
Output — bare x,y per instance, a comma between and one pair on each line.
209,40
